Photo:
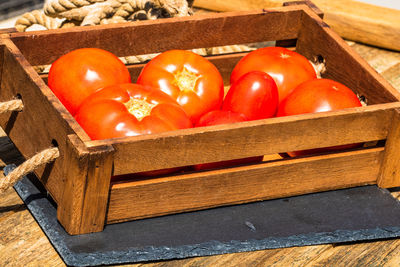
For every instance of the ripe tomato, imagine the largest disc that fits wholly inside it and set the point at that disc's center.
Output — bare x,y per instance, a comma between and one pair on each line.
223,117
77,74
254,95
129,110
193,81
287,67
318,95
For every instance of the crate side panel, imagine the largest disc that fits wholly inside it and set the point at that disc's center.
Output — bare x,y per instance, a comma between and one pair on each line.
243,184
254,138
342,63
41,121
156,36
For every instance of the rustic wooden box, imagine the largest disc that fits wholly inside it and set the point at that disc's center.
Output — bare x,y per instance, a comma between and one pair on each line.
79,180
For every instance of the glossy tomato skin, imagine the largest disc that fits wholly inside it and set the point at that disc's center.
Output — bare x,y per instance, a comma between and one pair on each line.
79,73
286,67
193,81
254,95
105,114
318,95
217,117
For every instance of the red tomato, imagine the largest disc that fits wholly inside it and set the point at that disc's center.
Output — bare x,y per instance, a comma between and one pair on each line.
77,74
287,67
223,117
254,94
129,110
318,95
193,81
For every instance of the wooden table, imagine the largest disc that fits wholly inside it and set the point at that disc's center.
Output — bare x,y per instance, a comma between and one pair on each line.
22,242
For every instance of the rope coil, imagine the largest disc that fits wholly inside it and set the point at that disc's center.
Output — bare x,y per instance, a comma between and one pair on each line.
71,13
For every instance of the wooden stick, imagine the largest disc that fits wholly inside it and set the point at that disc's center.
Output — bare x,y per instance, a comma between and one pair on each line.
353,20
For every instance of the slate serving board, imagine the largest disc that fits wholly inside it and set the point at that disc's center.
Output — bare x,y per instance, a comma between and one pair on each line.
361,213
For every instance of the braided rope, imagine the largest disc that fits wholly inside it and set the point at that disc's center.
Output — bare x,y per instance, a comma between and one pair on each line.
46,156
58,13
39,18
12,105
319,67
55,7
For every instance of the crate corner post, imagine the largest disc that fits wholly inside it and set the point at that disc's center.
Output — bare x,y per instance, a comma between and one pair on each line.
390,170
87,172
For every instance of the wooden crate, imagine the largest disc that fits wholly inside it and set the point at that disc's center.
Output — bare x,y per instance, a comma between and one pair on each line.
79,180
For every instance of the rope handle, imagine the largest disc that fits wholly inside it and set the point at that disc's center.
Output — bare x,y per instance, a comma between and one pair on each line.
41,158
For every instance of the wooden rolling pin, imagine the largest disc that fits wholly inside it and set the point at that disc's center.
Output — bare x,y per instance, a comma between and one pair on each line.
353,20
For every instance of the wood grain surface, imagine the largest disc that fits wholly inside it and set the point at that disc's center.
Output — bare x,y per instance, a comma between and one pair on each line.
353,20
22,243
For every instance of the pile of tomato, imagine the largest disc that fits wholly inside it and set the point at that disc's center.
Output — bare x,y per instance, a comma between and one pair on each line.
179,89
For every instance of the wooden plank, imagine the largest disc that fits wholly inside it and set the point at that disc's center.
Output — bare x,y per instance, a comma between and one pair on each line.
82,208
253,138
380,60
392,75
353,20
22,240
202,190
42,123
342,63
390,169
145,37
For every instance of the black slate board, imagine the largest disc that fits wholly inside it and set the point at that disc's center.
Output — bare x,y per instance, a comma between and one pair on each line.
362,213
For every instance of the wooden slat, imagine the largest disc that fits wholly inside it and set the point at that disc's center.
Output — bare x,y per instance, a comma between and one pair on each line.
390,169
263,137
202,190
144,37
342,63
43,119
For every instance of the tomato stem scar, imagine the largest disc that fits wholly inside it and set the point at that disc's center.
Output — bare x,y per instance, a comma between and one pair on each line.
283,55
139,108
185,79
